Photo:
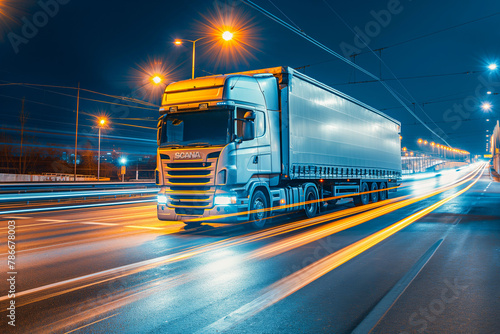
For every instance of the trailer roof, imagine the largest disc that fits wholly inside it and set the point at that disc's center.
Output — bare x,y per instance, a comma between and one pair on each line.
280,72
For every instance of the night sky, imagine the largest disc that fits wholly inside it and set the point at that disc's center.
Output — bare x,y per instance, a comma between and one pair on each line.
111,46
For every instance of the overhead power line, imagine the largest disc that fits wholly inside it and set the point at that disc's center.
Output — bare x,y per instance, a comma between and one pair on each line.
432,33
325,48
122,98
379,57
410,77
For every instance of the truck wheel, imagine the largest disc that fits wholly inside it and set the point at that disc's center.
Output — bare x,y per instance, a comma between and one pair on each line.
374,195
383,193
258,217
364,198
311,206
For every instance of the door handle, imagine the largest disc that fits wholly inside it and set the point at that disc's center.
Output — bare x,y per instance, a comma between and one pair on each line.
256,159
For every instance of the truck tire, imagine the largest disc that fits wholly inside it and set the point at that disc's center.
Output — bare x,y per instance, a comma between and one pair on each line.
362,199
258,218
375,194
311,205
383,193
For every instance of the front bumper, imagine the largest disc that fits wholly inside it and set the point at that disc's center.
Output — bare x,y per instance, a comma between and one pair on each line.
217,214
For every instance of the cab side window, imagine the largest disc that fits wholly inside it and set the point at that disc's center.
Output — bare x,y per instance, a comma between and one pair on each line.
260,122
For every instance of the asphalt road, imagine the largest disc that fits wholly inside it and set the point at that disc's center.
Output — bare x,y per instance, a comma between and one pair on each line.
426,260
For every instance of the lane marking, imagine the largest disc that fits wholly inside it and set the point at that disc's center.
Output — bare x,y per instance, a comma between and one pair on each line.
41,224
17,217
384,305
146,227
303,277
53,220
92,323
96,223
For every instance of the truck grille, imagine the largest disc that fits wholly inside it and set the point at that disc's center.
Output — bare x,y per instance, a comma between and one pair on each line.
190,186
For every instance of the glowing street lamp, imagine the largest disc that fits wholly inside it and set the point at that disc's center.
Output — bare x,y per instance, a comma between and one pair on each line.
102,123
226,35
123,161
492,66
156,80
486,106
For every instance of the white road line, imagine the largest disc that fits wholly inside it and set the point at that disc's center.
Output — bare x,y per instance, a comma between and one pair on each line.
96,223
386,303
146,227
16,217
50,223
53,220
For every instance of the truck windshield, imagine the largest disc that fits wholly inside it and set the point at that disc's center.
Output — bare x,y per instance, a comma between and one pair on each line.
210,127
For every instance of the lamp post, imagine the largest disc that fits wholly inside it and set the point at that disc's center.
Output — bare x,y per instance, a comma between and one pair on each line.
123,161
102,122
226,35
179,42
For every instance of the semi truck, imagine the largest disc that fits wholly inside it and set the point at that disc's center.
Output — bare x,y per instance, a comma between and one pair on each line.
245,146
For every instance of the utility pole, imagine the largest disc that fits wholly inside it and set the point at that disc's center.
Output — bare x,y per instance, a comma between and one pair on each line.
76,131
22,119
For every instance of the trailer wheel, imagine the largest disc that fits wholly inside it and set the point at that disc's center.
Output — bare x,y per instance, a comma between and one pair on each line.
383,192
311,206
374,195
257,205
362,199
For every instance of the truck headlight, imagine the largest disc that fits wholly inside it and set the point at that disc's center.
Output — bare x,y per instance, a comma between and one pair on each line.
162,199
224,200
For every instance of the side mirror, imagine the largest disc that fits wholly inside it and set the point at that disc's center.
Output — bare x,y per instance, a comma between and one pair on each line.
249,125
158,133
248,129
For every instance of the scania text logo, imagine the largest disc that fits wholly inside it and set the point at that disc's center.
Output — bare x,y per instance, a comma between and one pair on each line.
187,155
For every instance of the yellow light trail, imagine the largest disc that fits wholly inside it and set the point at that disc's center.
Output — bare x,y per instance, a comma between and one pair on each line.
301,278
130,269
304,238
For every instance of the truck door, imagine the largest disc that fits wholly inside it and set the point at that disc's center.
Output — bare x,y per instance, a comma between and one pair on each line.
253,156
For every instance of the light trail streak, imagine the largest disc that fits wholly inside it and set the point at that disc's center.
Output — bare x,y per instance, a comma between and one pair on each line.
304,238
303,277
92,323
205,219
83,206
81,282
55,195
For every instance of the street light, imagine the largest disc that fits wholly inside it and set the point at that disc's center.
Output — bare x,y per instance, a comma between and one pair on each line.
123,161
486,106
492,66
179,42
102,123
157,79
226,35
